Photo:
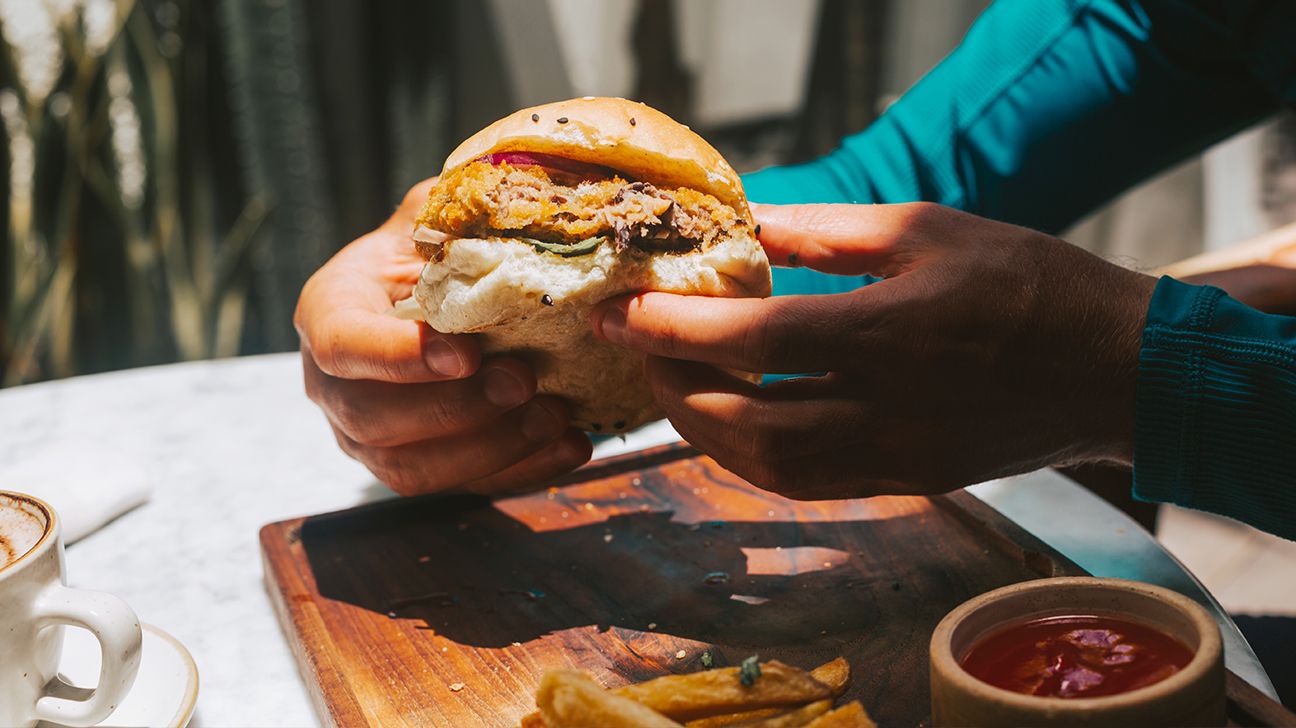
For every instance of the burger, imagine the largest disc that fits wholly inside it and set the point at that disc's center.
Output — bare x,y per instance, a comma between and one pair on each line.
543,214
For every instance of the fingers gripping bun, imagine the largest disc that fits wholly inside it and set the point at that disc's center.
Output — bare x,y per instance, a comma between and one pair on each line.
527,301
632,138
537,307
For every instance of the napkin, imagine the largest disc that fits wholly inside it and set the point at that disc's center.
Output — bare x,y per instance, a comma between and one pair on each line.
88,484
652,434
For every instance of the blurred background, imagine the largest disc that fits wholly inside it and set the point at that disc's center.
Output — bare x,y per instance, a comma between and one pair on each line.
174,170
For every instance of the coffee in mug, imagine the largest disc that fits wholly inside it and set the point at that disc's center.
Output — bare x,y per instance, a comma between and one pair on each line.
21,528
35,605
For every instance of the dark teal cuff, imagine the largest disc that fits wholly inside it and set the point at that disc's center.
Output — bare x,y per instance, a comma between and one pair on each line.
1215,420
1165,404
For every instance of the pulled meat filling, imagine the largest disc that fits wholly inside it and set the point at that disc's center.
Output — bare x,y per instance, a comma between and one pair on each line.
499,200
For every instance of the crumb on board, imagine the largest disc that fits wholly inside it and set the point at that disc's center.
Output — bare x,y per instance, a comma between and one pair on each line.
456,687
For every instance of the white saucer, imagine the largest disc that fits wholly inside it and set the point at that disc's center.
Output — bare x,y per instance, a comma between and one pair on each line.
165,690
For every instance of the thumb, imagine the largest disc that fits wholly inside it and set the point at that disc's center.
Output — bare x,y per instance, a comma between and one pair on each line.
883,240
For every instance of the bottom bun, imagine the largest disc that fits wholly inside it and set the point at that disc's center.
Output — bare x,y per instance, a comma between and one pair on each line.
536,307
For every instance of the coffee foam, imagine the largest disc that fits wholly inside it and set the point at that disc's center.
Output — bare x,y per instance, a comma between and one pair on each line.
22,524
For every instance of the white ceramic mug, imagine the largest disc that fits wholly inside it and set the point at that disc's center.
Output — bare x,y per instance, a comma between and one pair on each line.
35,605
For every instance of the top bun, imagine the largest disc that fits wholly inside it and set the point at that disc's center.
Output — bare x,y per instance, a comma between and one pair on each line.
630,137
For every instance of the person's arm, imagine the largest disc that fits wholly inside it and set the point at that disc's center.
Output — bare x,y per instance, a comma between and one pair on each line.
1046,110
988,350
1215,424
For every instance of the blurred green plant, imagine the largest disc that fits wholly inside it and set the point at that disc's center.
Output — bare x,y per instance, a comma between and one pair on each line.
127,236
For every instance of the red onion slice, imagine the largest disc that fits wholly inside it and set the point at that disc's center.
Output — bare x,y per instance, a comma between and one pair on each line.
551,163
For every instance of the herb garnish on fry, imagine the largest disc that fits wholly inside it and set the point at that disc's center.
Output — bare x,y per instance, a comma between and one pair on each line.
772,695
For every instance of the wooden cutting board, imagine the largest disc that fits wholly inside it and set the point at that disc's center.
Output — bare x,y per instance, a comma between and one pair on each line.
446,611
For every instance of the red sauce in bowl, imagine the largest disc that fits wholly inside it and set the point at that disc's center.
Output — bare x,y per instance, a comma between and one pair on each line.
1075,657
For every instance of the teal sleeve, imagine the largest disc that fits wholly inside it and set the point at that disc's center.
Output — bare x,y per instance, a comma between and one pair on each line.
1048,108
1215,425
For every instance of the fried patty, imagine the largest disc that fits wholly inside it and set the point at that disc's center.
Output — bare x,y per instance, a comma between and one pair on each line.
487,200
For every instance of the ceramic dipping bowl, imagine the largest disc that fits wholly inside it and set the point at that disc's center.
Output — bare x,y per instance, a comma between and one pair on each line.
1193,696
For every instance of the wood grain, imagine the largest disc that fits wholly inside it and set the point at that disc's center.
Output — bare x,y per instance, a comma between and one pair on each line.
446,611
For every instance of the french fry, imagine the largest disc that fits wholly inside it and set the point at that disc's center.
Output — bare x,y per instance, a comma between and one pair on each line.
850,715
570,699
732,719
724,701
719,691
798,718
835,675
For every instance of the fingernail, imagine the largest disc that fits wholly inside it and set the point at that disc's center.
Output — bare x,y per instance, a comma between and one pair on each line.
541,425
443,359
503,389
613,324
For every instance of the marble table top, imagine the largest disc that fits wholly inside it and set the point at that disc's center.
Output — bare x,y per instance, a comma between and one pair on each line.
232,445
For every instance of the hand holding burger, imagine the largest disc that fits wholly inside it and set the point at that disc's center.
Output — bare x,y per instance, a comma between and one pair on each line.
551,210
535,220
422,410
989,350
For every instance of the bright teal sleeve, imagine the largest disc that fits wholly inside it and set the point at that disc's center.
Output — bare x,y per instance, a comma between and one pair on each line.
1048,108
1215,425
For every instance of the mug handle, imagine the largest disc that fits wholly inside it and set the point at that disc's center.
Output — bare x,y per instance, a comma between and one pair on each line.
116,627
